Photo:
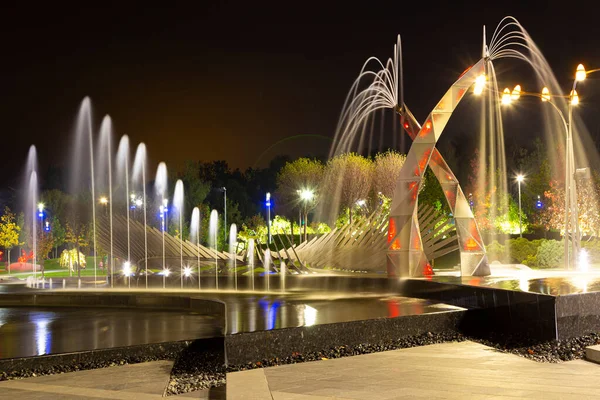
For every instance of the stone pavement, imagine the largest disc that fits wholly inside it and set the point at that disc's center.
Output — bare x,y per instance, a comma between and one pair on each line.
464,370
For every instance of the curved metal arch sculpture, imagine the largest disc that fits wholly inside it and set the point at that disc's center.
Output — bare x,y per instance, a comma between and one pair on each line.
405,254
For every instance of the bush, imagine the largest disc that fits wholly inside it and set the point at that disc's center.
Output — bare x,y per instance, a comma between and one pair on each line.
520,249
593,249
550,254
496,252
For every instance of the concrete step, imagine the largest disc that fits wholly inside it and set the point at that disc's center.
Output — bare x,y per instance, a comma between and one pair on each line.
592,353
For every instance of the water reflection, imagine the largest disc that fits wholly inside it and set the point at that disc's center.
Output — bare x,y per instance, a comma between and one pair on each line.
27,331
250,314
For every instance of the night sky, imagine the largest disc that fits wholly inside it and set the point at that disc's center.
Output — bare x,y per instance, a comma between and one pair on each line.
228,80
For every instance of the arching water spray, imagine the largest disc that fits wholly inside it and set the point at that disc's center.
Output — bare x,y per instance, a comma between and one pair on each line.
160,190
106,144
83,132
178,200
139,171
123,173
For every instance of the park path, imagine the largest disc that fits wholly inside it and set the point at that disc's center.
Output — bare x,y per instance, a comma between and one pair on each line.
465,370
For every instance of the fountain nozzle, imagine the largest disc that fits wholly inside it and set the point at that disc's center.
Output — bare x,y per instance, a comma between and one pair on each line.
399,109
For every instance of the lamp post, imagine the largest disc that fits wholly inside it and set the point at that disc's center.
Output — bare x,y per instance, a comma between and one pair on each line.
40,207
268,204
163,219
306,195
520,179
570,190
224,211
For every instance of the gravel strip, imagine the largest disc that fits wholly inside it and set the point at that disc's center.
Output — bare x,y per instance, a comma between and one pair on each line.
553,351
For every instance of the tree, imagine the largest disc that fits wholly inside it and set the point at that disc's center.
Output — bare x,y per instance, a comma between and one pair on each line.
386,172
9,233
196,189
349,176
58,233
302,175
44,245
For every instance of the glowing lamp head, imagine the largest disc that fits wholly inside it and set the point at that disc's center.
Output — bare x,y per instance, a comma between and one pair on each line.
506,98
132,196
516,93
187,272
307,195
479,85
574,98
580,73
545,94
520,178
40,207
165,202
127,268
166,272
103,200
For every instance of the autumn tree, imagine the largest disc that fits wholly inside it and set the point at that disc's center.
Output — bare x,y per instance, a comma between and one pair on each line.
348,180
386,171
44,245
9,233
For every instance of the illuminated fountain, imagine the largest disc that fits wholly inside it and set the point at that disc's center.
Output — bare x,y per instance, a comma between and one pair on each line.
178,200
213,243
195,238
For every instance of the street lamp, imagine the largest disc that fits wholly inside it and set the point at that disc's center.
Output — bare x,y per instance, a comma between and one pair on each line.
571,211
306,195
268,204
520,179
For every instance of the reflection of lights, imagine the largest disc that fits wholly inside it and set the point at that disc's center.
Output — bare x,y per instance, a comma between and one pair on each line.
581,282
42,336
310,315
127,268
584,261
187,272
524,284
272,315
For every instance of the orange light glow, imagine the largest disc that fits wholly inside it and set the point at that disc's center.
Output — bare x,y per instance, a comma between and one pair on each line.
471,245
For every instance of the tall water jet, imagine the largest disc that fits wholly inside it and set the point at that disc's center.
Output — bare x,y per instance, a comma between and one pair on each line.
195,237
123,173
83,133
282,272
160,191
106,146
232,252
139,171
32,194
213,231
250,260
178,200
267,267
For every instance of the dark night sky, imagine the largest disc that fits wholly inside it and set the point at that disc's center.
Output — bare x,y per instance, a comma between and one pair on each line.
227,80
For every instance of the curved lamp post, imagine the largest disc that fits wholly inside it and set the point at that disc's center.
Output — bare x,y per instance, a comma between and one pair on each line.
571,207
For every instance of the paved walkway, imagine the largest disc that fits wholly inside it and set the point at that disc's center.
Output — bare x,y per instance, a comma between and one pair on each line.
464,370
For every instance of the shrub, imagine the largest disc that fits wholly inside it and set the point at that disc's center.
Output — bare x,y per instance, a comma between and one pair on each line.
520,249
550,254
496,252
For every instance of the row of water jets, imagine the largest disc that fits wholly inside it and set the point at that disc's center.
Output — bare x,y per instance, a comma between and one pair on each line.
124,182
